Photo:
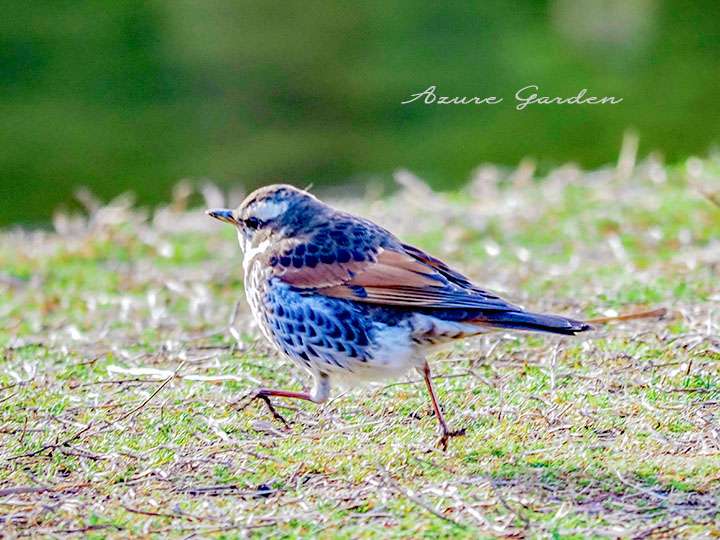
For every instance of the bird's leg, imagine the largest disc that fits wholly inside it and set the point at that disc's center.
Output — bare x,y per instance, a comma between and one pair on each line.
319,394
264,395
445,432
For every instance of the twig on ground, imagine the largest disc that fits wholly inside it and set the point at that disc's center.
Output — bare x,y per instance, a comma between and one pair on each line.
412,497
506,505
161,514
155,393
712,196
54,445
82,432
659,313
20,490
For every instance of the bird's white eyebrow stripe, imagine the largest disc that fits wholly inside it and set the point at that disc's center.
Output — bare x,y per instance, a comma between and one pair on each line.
268,209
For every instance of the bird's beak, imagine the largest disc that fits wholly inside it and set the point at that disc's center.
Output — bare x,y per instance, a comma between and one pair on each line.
223,214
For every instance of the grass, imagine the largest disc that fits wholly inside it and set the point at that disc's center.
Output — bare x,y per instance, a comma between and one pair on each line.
122,361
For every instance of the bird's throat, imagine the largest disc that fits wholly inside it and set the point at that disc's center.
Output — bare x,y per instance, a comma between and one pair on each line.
252,251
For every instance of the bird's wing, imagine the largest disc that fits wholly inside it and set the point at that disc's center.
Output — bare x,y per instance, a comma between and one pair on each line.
451,275
391,274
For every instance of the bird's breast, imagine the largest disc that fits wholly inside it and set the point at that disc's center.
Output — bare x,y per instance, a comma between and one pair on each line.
257,282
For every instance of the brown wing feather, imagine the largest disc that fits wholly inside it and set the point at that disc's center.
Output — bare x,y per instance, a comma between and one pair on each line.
322,275
392,269
384,295
388,268
394,278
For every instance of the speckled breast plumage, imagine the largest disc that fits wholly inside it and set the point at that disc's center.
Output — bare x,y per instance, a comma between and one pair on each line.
323,335
328,335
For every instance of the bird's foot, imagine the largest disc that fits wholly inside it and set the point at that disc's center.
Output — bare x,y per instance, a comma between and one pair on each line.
445,436
262,396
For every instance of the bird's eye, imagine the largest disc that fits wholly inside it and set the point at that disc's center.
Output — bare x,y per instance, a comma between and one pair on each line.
252,222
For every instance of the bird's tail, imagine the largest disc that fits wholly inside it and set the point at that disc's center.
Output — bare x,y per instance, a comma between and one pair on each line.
534,322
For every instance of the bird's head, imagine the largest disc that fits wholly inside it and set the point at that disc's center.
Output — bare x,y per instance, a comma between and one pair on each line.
272,213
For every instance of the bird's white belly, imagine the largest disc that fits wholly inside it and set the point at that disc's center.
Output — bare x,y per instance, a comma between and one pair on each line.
392,354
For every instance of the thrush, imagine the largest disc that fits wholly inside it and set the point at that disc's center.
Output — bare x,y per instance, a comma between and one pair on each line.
349,302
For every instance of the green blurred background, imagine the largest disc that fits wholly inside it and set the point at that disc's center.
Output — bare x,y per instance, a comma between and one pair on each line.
135,95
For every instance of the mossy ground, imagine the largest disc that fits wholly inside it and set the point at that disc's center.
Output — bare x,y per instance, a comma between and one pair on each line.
612,433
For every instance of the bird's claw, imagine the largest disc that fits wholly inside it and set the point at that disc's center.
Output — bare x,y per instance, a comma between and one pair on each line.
446,435
262,396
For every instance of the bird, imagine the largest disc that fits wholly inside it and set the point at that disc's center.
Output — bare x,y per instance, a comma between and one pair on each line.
350,303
